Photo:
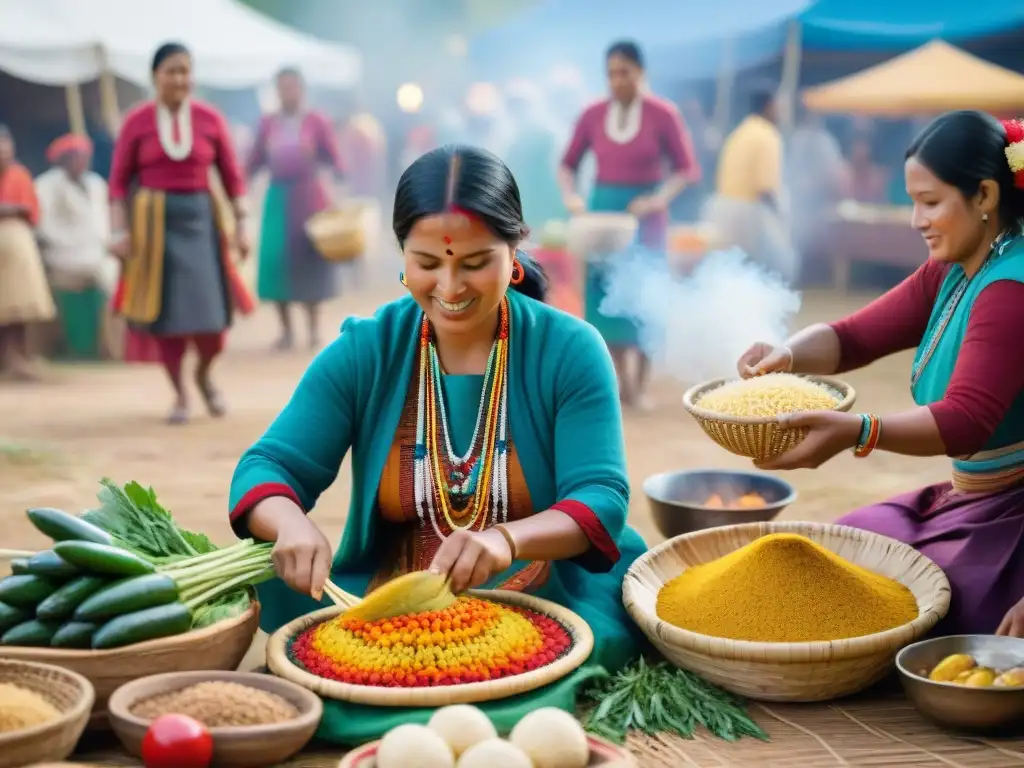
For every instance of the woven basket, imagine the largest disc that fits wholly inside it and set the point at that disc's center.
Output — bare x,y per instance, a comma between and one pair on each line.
68,691
342,234
436,696
814,671
220,646
592,237
758,438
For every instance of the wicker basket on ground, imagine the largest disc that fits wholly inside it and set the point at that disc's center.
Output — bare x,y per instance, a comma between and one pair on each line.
812,671
68,691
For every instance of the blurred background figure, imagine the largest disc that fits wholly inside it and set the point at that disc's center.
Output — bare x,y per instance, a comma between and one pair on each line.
633,136
866,181
24,294
297,146
74,232
747,209
184,290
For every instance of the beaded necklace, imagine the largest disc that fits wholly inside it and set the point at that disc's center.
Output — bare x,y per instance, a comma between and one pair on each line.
462,490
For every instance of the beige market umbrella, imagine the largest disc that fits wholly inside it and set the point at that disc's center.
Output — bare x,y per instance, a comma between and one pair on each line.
933,78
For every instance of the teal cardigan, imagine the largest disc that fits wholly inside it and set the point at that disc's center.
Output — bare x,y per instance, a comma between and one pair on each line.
564,417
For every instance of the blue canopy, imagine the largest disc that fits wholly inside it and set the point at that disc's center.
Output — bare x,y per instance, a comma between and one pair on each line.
898,25
578,32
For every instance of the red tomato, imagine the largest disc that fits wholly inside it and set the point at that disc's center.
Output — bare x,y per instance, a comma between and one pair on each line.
177,741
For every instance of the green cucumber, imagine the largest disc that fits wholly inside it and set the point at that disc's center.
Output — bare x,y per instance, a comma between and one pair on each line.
11,615
62,603
74,634
25,590
102,558
62,526
19,566
50,565
128,596
147,624
30,634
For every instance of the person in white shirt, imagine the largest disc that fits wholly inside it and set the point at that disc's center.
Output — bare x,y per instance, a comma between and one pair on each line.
74,231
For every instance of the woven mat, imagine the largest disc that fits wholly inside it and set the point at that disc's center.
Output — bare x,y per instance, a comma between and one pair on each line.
875,730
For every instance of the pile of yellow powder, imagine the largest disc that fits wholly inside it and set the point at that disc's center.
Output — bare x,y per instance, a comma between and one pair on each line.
767,396
784,588
21,709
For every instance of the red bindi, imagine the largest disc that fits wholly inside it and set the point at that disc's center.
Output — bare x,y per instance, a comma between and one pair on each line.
447,240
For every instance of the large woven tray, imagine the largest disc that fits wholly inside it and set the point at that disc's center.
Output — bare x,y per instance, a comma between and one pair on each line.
281,664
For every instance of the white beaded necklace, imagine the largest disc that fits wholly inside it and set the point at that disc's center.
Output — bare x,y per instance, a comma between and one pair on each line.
423,478
176,149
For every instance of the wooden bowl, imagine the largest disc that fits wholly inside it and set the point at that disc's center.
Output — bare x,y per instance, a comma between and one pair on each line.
436,696
758,438
218,647
68,691
813,671
602,753
252,746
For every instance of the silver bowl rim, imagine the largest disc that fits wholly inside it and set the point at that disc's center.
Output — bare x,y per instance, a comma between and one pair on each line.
1001,689
784,502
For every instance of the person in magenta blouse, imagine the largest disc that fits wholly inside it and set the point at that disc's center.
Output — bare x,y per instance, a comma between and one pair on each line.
963,311
295,145
179,282
633,136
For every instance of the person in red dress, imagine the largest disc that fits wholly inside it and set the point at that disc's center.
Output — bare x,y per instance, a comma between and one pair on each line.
179,283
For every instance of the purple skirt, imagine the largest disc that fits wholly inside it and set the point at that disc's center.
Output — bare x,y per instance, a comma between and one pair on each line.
976,538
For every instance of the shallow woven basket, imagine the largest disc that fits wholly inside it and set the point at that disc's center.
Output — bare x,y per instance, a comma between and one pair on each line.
436,696
815,671
220,646
340,234
759,438
68,691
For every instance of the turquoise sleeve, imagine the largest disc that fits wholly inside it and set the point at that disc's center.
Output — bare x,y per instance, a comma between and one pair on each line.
590,452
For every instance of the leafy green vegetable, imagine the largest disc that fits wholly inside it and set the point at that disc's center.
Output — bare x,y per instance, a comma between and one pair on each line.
225,607
135,518
661,699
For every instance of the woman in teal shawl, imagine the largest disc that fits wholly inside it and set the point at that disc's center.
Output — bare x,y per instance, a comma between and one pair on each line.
550,517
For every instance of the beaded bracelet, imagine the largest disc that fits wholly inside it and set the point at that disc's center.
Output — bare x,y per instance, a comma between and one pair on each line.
871,429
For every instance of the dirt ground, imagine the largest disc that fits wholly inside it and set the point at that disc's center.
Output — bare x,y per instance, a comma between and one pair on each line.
58,439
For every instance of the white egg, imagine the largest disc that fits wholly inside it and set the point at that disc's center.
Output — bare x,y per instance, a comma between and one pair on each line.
462,726
552,738
414,746
494,753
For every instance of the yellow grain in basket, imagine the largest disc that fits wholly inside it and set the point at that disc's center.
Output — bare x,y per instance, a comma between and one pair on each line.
767,396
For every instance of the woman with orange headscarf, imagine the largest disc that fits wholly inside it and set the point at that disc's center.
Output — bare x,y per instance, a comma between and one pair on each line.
74,232
24,294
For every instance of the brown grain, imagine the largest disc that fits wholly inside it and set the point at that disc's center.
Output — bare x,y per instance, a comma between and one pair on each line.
218,704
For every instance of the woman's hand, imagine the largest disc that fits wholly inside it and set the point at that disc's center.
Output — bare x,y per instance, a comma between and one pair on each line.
1013,623
829,432
471,558
645,205
764,358
120,247
243,243
575,205
302,556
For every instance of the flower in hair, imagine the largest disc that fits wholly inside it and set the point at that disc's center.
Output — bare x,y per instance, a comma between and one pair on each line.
1015,149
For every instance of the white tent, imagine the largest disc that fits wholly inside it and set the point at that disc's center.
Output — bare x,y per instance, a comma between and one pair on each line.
58,42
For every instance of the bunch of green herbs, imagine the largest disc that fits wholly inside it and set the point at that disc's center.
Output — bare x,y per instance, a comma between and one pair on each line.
658,698
138,523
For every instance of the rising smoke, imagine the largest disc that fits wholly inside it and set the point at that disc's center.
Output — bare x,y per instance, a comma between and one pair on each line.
695,327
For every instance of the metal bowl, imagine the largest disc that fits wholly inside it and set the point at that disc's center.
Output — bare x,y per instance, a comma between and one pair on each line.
677,499
955,706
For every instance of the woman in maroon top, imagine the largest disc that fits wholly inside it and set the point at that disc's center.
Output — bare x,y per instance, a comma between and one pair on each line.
963,310
179,282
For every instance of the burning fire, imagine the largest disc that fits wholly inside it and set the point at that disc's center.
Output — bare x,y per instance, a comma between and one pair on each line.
746,501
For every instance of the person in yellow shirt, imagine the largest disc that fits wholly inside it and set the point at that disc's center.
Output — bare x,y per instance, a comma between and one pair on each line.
746,212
